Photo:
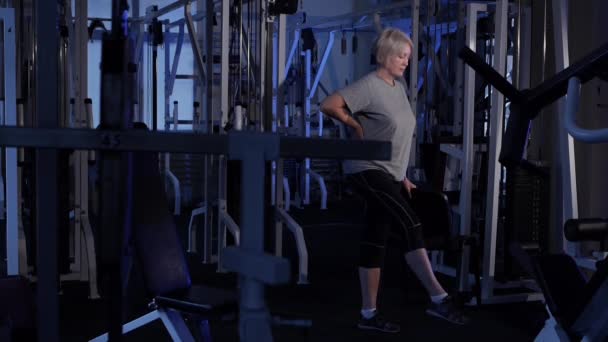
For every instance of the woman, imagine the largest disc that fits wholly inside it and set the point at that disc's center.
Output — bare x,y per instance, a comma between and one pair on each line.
376,108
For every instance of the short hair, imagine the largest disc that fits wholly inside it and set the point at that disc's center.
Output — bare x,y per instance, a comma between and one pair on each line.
390,42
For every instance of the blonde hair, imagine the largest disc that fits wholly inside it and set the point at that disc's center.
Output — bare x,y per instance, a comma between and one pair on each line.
390,42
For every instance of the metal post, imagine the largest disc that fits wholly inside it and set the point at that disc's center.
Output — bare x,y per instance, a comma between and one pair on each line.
413,98
10,119
254,317
208,100
269,108
459,85
209,63
224,105
139,90
225,63
169,79
414,56
154,63
466,163
494,168
279,113
115,173
80,93
294,47
564,157
196,49
524,48
47,39
306,124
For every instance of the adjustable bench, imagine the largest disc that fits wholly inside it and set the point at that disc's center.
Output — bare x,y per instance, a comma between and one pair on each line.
164,266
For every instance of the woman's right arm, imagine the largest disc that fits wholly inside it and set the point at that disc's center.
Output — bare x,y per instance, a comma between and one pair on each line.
335,106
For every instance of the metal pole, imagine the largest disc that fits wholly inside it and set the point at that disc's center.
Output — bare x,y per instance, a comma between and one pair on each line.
154,83
413,82
494,171
459,85
254,317
10,119
414,56
306,123
116,110
564,156
279,113
466,163
224,63
209,81
47,208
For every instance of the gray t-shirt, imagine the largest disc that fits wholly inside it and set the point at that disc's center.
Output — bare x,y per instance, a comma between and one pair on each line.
385,114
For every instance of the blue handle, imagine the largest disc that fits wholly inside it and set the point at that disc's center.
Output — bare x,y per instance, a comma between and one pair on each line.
592,136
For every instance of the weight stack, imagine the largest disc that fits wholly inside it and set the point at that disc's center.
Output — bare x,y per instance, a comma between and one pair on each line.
527,212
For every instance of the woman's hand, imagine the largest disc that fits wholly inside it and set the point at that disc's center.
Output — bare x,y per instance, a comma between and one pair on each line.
358,130
408,186
335,107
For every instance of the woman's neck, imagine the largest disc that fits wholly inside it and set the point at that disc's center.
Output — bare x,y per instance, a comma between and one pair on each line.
385,75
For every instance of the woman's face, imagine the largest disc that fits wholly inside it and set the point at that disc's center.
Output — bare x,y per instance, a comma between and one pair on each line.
396,63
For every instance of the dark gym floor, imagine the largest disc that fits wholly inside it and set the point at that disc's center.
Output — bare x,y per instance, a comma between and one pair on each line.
331,300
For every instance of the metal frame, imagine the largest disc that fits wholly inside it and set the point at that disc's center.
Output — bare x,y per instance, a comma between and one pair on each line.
238,145
172,320
310,93
256,268
205,75
465,156
7,16
346,20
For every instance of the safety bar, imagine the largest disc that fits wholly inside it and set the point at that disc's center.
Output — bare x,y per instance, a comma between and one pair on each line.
176,189
233,228
298,235
321,182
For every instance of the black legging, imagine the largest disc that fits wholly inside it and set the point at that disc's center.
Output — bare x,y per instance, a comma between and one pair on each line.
387,208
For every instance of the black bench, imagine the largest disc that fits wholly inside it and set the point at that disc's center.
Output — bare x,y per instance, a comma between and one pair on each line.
162,258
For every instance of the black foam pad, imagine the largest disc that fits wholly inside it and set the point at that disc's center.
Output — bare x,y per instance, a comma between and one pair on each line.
155,236
588,229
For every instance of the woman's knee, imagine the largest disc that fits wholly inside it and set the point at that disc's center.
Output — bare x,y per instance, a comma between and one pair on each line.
371,255
414,238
